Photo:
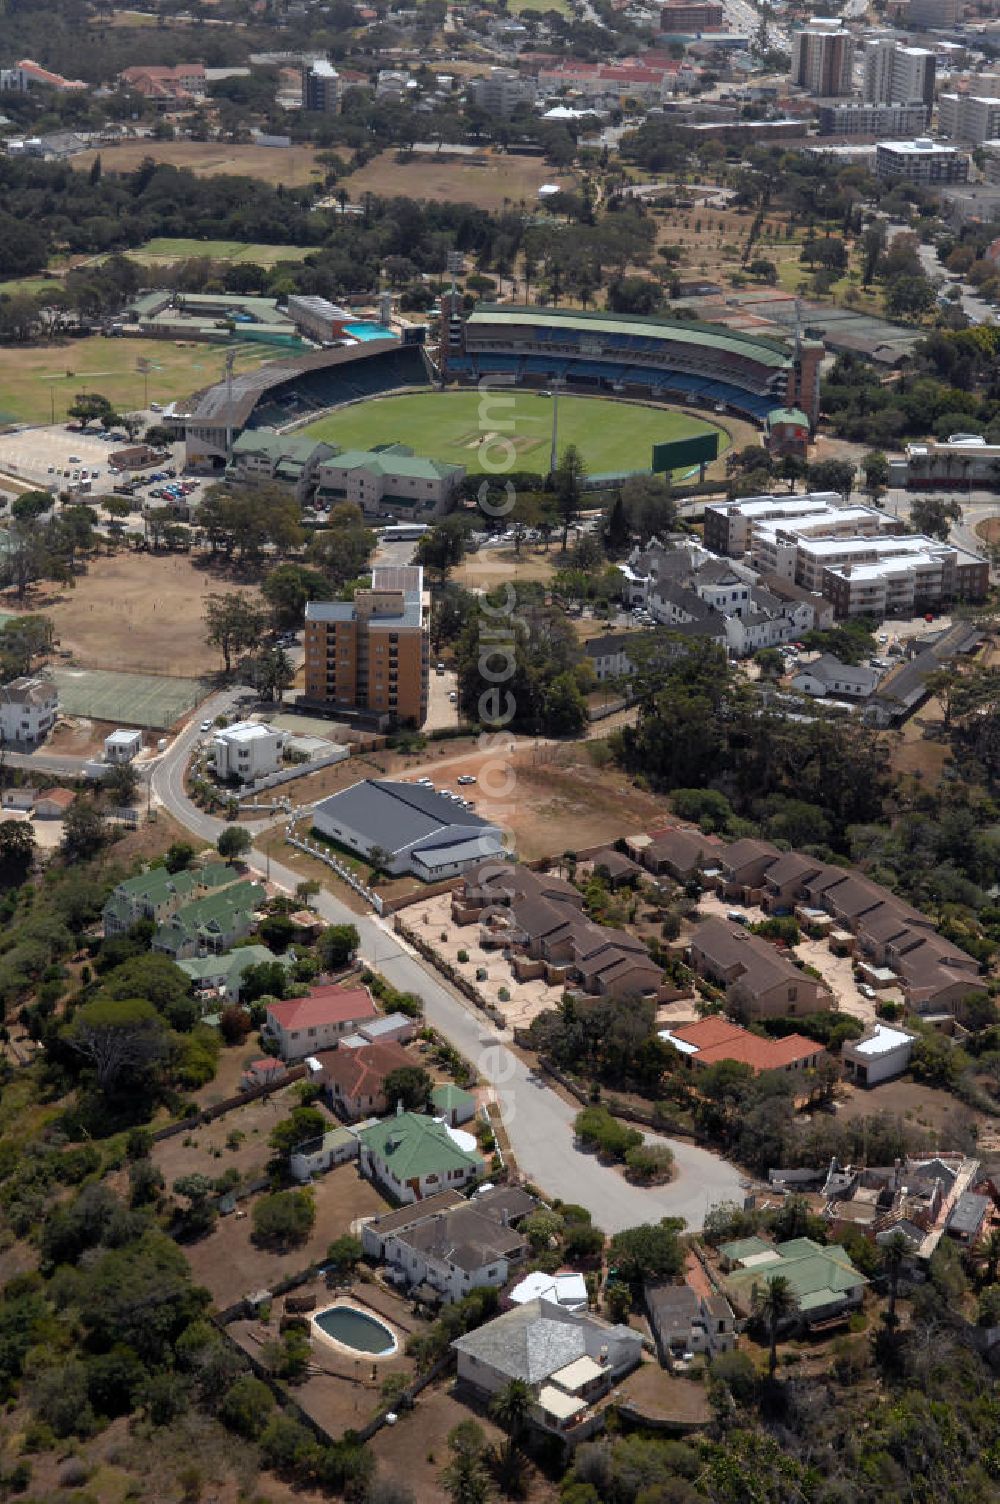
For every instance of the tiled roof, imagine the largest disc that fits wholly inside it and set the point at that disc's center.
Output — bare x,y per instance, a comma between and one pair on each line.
716,1039
362,1072
323,1005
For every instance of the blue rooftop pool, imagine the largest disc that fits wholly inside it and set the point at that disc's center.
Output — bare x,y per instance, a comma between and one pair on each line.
368,331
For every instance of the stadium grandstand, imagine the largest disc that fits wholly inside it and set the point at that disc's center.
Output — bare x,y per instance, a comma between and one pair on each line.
701,365
285,391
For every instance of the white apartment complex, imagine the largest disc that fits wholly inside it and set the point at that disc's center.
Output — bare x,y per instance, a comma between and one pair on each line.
898,75
728,524
969,117
247,751
500,91
321,87
777,546
873,119
823,58
920,161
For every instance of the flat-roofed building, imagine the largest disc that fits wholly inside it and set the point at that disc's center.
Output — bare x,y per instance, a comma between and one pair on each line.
371,655
823,58
920,161
728,524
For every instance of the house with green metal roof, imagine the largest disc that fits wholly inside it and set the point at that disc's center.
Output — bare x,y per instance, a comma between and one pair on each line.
390,479
412,1156
822,1279
224,973
157,894
262,456
453,1104
211,925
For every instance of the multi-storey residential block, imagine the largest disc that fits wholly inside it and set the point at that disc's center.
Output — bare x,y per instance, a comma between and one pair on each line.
823,58
371,654
920,161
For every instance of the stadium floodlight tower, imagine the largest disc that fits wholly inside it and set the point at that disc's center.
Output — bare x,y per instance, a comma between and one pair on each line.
554,452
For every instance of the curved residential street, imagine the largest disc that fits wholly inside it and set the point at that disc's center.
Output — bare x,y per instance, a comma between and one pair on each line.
538,1121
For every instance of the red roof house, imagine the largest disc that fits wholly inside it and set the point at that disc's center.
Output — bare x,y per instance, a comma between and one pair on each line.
318,1020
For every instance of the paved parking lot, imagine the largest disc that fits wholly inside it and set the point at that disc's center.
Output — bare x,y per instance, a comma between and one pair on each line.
42,455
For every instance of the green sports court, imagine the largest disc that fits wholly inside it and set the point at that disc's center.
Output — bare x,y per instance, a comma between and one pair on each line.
151,701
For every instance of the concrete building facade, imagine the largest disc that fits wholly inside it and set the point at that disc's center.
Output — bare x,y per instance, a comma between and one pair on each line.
247,751
920,161
898,75
823,58
372,654
321,87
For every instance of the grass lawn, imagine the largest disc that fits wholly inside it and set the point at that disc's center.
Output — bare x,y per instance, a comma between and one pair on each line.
453,426
21,285
98,364
516,6
165,249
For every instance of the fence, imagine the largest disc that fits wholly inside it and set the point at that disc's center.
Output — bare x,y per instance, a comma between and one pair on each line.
288,775
219,1109
323,854
449,972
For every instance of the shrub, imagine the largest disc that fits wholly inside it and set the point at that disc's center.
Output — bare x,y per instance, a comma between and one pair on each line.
650,1162
284,1219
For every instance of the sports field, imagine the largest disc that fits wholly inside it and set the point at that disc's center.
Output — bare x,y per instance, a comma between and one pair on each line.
127,699
481,431
38,383
166,249
295,166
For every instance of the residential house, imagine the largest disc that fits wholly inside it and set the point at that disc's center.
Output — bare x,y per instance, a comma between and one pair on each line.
913,1197
824,1281
213,924
568,1359
565,1289
453,1104
413,1156
450,1249
880,1054
610,654
22,799
223,974
318,1020
968,1218
53,804
354,1079
165,87
759,981
264,1072
681,853
314,1156
616,869
684,1322
715,1038
157,894
742,866
122,746
827,676
28,710
247,751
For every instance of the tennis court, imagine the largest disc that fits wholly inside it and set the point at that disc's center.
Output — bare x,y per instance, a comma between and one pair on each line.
142,700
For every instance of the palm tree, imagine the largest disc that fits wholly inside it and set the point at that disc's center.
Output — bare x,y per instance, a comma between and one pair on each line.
774,1302
512,1406
893,1256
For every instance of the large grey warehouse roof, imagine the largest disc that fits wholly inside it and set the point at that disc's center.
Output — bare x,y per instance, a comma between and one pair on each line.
211,405
396,815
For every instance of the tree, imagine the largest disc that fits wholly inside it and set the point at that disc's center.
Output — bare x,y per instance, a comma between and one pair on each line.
233,842
876,471
235,623
832,475
17,851
409,1084
774,1302
31,505
272,673
85,831
442,546
179,857
122,1040
991,1253
246,1406
345,1252
650,1251
284,1219
336,946
512,1406
934,515
568,478
465,1478
301,1124
122,784
289,589
894,1254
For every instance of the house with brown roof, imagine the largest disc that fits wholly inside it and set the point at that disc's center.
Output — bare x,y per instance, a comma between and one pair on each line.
713,1039
53,804
742,866
617,869
760,982
785,881
451,1248
354,1080
680,853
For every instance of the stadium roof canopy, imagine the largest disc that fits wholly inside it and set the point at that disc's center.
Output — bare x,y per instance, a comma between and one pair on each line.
769,351
211,405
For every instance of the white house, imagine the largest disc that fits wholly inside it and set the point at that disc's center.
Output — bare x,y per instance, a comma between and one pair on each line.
28,710
314,1156
247,751
302,1026
878,1055
414,1156
452,1248
122,746
826,675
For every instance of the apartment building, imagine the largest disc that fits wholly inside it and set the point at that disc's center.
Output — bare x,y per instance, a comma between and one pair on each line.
28,710
371,655
728,524
898,75
321,87
901,586
873,119
317,318
933,13
969,117
683,16
777,548
501,90
920,161
823,58
165,87
261,456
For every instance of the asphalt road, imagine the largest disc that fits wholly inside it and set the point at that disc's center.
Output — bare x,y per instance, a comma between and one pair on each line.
539,1122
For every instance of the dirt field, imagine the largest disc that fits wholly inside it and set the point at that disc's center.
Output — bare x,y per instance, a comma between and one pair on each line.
416,1448
919,1105
229,1265
135,612
204,1150
494,566
292,165
505,179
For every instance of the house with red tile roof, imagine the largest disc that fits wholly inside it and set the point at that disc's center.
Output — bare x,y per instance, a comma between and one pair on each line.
354,1080
715,1038
301,1026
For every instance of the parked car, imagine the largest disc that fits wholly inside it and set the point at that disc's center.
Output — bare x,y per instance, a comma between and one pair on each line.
466,778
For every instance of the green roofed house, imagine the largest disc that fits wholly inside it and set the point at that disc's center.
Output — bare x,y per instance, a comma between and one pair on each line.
453,1104
211,925
389,480
157,894
412,1156
825,1283
224,974
786,431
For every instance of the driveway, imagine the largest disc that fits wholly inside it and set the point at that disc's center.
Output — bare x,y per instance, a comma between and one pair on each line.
539,1122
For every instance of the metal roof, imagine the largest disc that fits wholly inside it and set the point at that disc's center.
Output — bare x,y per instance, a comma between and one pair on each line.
397,815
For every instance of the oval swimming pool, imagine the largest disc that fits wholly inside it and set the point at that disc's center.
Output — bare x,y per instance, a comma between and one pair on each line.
357,1330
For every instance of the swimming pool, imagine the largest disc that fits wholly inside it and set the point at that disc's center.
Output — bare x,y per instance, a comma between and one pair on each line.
357,1330
368,331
